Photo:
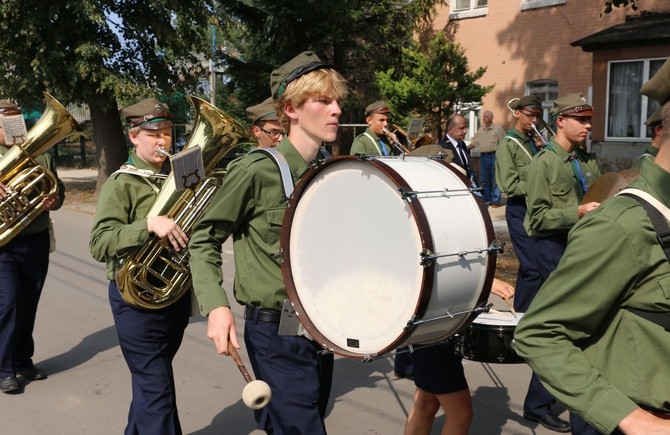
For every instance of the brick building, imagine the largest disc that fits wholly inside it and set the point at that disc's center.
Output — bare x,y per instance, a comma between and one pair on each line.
554,47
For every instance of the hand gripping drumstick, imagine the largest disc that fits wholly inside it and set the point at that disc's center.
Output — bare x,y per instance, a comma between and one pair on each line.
256,394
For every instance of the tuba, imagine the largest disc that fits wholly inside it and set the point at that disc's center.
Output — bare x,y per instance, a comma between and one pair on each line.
28,183
155,275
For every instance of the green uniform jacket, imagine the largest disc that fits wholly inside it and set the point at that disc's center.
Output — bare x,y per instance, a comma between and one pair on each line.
650,152
41,222
249,206
120,218
593,356
552,191
513,155
363,145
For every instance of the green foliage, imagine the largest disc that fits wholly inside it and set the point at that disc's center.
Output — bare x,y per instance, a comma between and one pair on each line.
359,37
432,81
610,5
93,50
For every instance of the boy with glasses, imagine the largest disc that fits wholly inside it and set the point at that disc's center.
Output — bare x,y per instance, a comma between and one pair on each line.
265,126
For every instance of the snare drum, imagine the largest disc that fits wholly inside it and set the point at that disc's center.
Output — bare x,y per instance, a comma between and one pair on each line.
379,253
490,338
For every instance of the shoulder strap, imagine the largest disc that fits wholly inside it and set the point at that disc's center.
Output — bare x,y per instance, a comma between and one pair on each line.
144,174
520,145
374,142
658,214
284,170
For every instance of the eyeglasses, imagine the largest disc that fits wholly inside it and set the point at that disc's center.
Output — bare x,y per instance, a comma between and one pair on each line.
274,134
531,115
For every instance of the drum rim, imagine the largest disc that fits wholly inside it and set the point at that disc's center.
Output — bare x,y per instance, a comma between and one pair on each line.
285,237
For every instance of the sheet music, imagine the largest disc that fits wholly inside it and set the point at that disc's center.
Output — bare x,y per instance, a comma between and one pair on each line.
15,129
188,167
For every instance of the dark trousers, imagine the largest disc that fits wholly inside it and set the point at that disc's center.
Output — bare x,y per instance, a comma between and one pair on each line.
487,178
24,263
402,363
299,376
548,253
528,278
149,340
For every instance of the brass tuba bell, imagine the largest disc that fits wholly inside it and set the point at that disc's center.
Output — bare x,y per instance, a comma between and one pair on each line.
27,182
154,275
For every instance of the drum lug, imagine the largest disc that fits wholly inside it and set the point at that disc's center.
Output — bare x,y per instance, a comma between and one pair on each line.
427,258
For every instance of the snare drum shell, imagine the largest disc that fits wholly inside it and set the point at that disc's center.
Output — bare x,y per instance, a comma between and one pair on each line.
489,340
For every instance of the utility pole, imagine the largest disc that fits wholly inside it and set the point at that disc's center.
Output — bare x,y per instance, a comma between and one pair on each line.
212,74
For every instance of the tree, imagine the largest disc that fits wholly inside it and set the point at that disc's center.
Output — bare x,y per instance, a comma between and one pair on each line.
102,53
432,81
610,5
358,37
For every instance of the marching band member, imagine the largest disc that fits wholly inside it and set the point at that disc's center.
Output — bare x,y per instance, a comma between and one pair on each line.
373,141
250,207
24,262
597,331
265,126
149,339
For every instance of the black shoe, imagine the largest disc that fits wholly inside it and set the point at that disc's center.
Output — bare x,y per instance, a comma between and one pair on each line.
9,385
32,374
549,421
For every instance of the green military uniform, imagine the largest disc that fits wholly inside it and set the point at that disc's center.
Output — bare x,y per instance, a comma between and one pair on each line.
123,203
513,155
249,206
650,152
553,193
592,354
368,144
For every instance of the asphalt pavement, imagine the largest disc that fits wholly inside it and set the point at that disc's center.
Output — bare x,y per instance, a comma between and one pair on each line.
88,389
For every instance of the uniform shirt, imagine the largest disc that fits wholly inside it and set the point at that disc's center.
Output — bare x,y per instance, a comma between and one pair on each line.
553,192
362,144
41,222
650,152
487,138
595,357
120,224
249,207
513,155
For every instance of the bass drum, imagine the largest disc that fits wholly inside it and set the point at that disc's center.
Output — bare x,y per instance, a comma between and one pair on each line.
379,253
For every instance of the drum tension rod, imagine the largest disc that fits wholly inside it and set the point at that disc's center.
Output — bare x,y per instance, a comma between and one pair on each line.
410,194
447,315
427,258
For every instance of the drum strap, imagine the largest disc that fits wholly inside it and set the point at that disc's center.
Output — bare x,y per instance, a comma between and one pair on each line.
520,145
658,215
284,170
381,152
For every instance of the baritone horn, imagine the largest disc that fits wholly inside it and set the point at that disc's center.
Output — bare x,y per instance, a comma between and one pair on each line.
155,275
26,181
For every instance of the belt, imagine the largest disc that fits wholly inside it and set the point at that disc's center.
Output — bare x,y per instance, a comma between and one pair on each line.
487,153
262,314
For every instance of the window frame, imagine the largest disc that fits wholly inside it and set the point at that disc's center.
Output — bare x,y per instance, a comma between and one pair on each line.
537,4
644,101
470,12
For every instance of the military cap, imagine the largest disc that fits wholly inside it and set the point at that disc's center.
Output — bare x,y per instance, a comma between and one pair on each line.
654,119
264,111
8,108
571,105
377,107
300,65
658,87
528,102
148,114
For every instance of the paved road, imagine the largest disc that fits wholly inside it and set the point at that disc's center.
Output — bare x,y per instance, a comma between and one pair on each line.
88,389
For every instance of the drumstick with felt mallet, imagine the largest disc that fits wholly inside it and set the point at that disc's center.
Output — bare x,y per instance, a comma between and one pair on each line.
256,394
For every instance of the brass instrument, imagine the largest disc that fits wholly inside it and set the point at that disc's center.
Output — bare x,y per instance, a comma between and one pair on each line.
155,275
414,144
26,182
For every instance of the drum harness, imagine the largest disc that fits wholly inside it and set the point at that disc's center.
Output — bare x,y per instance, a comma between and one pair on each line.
657,213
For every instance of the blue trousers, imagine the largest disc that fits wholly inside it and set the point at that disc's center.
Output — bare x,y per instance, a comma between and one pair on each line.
487,178
528,278
24,263
299,375
149,340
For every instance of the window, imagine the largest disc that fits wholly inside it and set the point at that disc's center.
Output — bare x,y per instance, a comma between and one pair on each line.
626,108
547,91
468,9
464,5
536,4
